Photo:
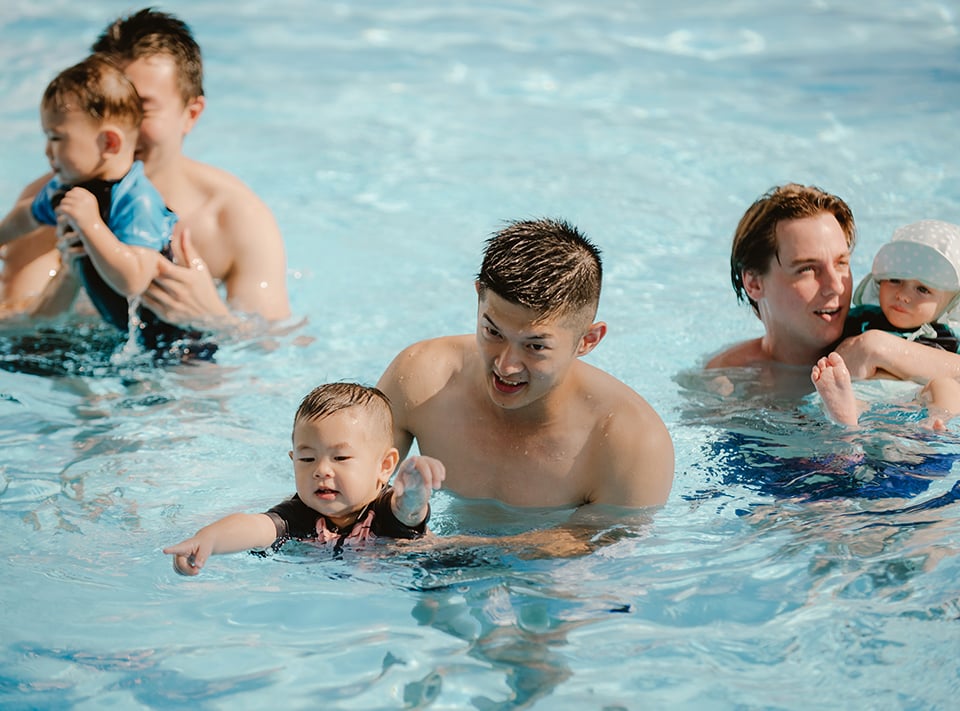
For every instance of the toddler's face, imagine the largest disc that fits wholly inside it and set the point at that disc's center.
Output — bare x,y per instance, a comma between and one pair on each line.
73,144
340,462
908,303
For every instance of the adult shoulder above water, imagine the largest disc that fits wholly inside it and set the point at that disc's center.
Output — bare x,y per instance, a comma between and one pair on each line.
229,235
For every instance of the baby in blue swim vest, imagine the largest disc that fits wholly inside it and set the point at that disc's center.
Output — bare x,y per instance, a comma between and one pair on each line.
343,456
112,223
912,291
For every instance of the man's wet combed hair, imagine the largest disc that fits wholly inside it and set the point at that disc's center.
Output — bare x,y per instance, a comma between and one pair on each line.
98,88
329,398
755,239
150,32
545,265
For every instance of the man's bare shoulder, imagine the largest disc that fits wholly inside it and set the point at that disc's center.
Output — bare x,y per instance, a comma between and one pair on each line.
423,368
613,401
234,231
229,191
434,354
739,356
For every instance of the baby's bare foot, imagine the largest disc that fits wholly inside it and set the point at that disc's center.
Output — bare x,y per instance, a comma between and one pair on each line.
832,380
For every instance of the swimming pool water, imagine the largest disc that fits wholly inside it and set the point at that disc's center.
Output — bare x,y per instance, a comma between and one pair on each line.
792,567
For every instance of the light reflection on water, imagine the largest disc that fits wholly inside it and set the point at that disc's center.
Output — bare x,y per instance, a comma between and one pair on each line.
390,141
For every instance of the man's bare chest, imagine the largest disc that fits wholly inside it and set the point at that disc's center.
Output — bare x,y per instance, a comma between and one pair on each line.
519,466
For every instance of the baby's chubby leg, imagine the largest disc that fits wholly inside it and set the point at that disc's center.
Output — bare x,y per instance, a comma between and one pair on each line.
832,380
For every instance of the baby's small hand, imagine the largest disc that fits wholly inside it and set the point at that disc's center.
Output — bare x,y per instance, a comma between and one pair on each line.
69,244
78,209
421,470
416,479
189,556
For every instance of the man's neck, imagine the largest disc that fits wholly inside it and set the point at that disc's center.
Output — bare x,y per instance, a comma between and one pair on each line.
780,351
166,172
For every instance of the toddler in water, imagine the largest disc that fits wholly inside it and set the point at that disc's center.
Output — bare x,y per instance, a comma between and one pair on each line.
99,197
912,291
343,456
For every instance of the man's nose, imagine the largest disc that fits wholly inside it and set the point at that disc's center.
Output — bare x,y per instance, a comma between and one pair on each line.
508,360
833,280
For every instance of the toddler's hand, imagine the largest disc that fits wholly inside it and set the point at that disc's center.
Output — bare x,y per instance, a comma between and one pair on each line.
189,555
416,479
69,245
78,210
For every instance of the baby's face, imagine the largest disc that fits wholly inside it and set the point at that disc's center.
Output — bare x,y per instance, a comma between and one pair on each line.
908,303
341,461
73,144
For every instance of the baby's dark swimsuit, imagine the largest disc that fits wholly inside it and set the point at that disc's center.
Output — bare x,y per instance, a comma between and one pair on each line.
869,316
294,519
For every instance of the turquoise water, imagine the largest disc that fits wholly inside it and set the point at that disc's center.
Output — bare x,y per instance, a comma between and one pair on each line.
792,567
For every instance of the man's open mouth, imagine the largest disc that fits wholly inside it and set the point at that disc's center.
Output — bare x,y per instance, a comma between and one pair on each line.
507,386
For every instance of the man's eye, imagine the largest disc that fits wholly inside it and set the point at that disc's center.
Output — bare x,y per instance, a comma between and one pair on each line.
305,459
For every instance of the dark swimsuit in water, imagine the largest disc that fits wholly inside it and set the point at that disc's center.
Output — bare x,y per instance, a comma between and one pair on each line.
295,520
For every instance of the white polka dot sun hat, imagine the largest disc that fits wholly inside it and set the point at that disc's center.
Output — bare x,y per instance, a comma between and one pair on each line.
927,251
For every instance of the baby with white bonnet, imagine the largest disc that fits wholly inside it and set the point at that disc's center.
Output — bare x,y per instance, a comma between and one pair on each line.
913,291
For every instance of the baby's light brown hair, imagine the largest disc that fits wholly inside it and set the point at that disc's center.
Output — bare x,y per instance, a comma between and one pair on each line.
329,398
98,88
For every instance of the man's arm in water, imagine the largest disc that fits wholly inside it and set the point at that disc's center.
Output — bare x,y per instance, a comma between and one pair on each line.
636,465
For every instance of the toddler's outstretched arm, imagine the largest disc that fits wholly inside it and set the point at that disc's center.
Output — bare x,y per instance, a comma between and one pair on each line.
415,481
235,533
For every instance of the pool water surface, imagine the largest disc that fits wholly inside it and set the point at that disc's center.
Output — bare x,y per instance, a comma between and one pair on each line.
794,566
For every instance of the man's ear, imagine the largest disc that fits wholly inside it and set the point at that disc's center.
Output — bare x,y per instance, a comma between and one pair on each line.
388,464
192,113
753,284
591,338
